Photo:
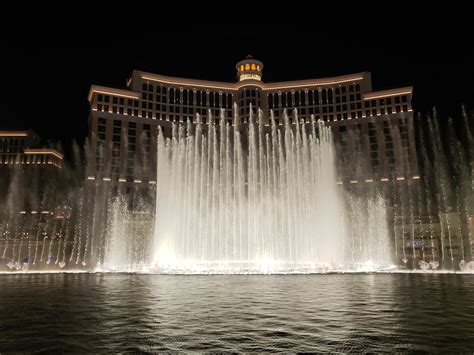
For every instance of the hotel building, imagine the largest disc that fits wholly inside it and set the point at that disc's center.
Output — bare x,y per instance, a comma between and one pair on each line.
374,128
26,172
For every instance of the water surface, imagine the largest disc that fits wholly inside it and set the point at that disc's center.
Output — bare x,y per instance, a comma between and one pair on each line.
338,312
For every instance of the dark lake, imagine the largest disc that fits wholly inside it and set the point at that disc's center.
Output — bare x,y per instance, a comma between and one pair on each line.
333,312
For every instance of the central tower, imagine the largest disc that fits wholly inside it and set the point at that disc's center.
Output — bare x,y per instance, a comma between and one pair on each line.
249,75
249,69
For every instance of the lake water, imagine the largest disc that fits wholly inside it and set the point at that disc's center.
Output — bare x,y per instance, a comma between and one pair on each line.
333,312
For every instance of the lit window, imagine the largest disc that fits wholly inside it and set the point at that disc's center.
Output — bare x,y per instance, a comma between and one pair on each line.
258,67
247,66
253,67
242,67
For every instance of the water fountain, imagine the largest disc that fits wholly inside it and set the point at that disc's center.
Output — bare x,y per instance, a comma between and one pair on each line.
268,204
254,198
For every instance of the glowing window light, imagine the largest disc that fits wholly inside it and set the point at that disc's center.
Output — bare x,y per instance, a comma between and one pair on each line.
253,67
242,68
247,66
258,67
91,178
122,180
416,177
384,179
400,178
106,179
138,181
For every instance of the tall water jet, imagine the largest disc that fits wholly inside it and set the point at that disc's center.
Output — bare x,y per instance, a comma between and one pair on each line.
260,201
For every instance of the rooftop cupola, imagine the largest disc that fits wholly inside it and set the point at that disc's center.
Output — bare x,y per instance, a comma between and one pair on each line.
249,69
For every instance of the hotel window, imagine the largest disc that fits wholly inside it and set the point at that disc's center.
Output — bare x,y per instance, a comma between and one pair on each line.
100,97
357,87
397,99
99,107
121,101
404,99
106,98
115,100
343,90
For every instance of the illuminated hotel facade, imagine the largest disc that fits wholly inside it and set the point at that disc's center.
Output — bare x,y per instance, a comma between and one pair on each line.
26,169
374,128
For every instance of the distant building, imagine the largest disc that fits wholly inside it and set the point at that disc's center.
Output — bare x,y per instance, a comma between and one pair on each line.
26,169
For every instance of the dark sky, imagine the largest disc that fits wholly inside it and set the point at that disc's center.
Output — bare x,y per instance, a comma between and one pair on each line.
45,80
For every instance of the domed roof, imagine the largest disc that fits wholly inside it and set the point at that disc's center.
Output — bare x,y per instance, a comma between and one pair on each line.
249,68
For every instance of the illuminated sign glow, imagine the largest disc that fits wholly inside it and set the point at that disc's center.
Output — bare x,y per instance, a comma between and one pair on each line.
250,76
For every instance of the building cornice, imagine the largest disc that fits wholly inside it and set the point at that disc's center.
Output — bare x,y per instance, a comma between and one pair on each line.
112,91
408,90
44,151
264,86
13,133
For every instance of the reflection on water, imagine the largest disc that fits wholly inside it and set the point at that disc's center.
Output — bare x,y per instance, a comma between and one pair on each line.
123,312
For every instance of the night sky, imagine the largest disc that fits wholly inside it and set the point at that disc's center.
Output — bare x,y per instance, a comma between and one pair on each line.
45,80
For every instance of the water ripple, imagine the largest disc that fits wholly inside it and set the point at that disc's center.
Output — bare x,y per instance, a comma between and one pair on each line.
150,313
